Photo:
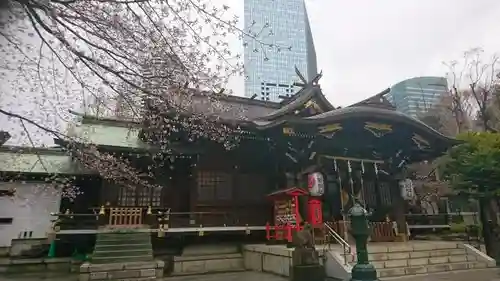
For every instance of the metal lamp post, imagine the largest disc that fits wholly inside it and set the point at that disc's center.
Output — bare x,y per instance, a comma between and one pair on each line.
363,270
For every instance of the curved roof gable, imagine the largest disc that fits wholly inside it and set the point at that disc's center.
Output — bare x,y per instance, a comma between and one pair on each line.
308,101
379,101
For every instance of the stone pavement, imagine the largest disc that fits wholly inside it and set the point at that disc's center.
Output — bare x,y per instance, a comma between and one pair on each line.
491,274
235,276
473,275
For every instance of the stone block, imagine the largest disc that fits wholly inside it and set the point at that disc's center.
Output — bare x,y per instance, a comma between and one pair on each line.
106,267
376,257
84,277
192,266
98,275
378,264
400,248
26,261
391,272
395,263
471,258
85,267
141,265
454,252
124,274
18,246
437,268
60,267
457,258
420,254
236,264
147,272
398,256
478,265
270,263
307,272
438,260
4,251
159,272
217,265
415,270
458,266
418,262
253,261
26,268
377,249
424,247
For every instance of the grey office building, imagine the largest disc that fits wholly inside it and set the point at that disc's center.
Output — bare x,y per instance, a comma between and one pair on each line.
417,95
269,71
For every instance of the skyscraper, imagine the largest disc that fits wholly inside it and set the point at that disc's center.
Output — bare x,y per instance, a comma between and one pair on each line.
270,70
417,95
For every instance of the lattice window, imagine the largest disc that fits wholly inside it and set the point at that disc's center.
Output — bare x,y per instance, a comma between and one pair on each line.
370,194
156,197
385,194
213,185
142,197
126,197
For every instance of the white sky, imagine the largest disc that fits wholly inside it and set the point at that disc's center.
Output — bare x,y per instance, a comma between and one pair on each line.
365,46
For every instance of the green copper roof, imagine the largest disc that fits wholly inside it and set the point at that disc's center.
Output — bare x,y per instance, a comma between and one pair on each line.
108,135
37,162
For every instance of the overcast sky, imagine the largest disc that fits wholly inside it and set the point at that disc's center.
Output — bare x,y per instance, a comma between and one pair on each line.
365,46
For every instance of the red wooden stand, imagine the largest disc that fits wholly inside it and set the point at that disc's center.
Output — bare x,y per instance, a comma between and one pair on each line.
287,217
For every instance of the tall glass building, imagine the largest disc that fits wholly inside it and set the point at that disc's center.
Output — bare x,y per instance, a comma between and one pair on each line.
417,95
270,71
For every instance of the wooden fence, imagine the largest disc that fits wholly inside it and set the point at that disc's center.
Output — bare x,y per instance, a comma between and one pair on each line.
380,231
125,216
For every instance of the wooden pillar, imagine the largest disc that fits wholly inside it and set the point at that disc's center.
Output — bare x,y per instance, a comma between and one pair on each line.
399,212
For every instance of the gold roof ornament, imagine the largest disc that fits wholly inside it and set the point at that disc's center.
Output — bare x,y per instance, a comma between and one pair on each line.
420,141
378,129
330,130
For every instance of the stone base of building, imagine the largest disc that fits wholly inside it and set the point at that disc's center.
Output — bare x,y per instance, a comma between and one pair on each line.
313,272
129,271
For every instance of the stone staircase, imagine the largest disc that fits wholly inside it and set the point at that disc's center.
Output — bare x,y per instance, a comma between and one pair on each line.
404,259
122,247
120,255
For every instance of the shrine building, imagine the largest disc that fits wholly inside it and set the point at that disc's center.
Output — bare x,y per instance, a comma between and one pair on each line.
299,161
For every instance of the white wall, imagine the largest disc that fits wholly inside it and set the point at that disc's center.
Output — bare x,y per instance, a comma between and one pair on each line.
30,209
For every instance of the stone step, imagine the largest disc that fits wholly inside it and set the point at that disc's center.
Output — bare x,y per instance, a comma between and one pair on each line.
117,266
416,247
422,261
140,236
189,265
122,241
411,255
415,270
116,247
137,274
121,259
119,253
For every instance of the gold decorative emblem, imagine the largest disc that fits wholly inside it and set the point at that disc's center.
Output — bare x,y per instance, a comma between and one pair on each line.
420,141
313,107
288,131
377,129
330,130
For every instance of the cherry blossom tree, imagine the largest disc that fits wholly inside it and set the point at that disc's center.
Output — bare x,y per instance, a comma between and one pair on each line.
103,53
